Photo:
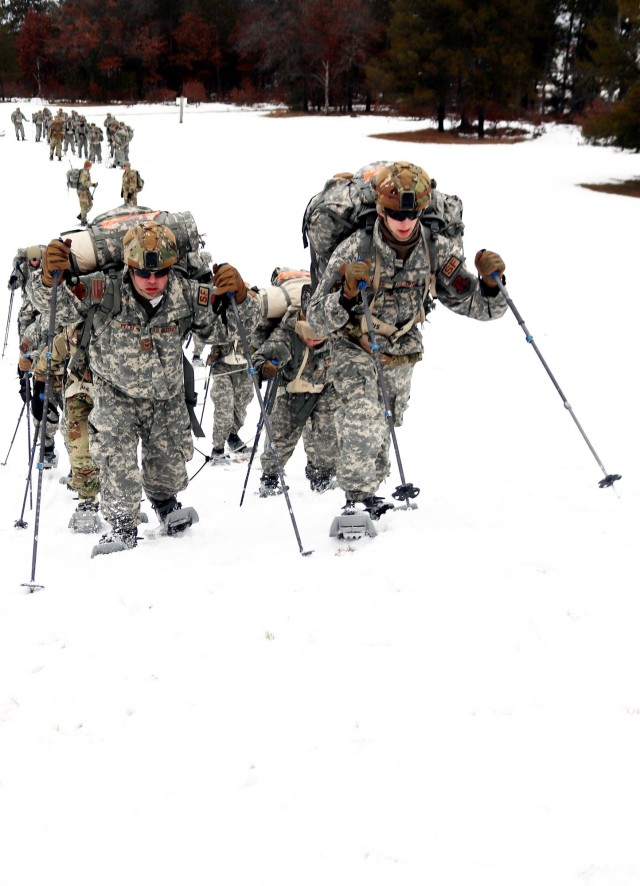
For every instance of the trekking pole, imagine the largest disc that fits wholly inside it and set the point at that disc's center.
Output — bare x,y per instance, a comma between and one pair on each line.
14,286
43,430
14,435
270,399
21,522
206,391
265,417
405,491
608,479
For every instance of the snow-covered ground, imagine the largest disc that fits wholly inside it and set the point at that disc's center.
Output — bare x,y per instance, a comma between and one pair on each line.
455,702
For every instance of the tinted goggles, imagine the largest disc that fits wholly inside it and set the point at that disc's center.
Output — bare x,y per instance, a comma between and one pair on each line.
141,272
403,214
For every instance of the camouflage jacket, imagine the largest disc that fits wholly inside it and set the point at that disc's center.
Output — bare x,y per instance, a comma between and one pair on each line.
84,180
402,290
295,359
130,181
226,345
139,356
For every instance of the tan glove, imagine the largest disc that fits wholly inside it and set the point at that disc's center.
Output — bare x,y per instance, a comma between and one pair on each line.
227,279
24,364
353,272
487,263
268,369
56,258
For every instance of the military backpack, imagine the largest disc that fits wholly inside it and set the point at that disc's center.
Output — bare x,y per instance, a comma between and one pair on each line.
347,203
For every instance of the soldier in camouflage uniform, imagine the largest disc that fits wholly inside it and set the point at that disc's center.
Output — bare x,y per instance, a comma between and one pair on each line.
82,131
77,405
120,143
56,134
398,276
69,135
84,193
16,118
96,137
231,384
37,119
131,184
47,119
136,358
305,406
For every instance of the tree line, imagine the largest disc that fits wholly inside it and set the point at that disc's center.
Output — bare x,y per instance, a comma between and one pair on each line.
470,63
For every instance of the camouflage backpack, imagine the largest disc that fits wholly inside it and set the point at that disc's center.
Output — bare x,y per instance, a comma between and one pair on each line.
73,178
347,203
99,247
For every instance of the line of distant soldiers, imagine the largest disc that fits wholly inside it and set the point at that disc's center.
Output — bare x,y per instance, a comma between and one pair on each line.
71,130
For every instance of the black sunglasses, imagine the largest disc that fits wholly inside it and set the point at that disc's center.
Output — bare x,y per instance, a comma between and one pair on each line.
161,272
403,215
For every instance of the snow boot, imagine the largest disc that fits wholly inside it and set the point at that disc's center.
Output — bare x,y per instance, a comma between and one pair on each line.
172,516
320,482
85,517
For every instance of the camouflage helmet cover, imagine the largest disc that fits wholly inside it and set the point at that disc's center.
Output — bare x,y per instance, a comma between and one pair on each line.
402,186
150,246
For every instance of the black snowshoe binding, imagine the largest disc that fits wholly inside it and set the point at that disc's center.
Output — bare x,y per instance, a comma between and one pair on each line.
85,517
269,485
172,516
355,521
50,459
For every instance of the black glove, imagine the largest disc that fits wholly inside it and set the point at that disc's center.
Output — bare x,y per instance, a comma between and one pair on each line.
37,401
13,281
25,386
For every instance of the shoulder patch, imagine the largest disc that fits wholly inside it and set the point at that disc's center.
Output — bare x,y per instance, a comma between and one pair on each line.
450,267
203,295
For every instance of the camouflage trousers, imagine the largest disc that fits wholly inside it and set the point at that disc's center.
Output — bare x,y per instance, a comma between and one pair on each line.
363,431
118,424
19,130
95,152
231,393
82,146
70,142
85,477
86,202
55,409
55,145
131,199
318,434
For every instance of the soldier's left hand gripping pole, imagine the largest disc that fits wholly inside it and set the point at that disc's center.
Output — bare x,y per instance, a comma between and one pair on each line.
406,491
265,417
32,584
608,479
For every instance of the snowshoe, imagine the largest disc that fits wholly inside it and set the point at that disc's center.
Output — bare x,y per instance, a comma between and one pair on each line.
218,457
115,541
85,518
352,523
321,482
172,516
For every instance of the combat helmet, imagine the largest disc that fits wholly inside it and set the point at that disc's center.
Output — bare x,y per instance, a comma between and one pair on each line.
402,187
150,246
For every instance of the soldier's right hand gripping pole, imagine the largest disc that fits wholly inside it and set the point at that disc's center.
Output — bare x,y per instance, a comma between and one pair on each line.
265,417
608,479
406,491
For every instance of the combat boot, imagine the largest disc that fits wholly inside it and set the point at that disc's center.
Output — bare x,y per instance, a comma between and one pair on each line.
172,516
269,486
218,457
50,459
236,445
